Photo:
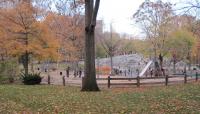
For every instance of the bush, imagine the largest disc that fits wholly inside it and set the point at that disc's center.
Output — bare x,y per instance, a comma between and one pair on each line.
31,79
8,71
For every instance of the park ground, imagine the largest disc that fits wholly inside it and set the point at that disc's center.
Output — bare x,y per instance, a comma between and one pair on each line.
51,99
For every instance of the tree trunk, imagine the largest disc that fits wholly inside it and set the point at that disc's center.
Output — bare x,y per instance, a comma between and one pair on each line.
89,80
161,64
75,68
155,62
174,67
189,64
111,65
2,57
25,62
32,65
198,57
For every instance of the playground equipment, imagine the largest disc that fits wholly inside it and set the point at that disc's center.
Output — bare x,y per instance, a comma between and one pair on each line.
145,68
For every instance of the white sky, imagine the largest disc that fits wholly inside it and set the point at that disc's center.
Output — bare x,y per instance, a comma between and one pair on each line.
120,12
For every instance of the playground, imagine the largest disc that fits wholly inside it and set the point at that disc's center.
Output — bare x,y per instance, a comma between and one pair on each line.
126,74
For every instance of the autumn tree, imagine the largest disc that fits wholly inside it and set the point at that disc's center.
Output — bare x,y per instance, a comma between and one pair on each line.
16,17
134,45
4,47
91,10
196,31
68,26
28,35
192,7
154,18
190,23
180,45
128,46
74,29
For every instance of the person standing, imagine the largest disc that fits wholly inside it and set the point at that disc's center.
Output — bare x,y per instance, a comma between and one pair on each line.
67,71
80,72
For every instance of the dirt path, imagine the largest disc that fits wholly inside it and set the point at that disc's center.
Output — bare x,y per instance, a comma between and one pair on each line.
56,79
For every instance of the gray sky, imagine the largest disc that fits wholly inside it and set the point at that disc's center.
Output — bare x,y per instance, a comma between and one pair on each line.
120,12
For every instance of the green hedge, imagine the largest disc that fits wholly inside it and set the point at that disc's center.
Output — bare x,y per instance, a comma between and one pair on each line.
31,79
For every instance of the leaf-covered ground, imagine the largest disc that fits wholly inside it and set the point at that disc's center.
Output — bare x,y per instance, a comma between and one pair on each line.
183,99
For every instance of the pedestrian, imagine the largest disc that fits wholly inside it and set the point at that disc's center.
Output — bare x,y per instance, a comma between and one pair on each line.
80,73
151,72
120,72
67,71
75,73
125,73
137,71
163,71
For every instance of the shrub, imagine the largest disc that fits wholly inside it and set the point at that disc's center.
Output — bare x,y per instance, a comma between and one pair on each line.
8,71
31,79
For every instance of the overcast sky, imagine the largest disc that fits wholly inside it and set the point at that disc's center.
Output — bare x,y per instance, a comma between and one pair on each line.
120,12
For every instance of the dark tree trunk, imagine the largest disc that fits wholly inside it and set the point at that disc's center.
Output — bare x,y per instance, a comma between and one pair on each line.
174,63
111,65
156,66
2,57
161,64
189,62
198,57
26,63
174,66
26,56
89,82
25,60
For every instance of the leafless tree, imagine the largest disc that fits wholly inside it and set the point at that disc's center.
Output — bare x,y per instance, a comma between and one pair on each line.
154,18
110,42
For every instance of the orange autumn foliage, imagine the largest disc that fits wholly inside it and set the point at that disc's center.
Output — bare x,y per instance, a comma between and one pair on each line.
52,36
23,32
69,31
104,70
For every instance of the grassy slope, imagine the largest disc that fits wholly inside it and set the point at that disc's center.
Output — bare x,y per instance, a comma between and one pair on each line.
46,99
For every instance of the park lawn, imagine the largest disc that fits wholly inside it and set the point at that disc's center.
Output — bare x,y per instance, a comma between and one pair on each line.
184,99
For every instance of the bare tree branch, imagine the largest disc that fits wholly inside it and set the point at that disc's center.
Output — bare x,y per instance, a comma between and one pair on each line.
94,15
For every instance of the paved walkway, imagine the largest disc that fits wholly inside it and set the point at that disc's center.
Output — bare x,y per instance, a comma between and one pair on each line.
56,79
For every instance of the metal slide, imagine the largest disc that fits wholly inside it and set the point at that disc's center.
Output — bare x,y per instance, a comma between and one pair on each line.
145,68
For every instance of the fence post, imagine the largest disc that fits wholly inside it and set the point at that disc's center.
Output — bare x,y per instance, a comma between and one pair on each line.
49,82
196,76
108,81
185,78
63,80
166,80
138,81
